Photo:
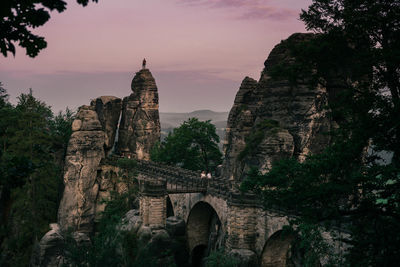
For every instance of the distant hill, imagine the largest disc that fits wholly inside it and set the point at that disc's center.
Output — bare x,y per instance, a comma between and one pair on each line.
175,119
170,120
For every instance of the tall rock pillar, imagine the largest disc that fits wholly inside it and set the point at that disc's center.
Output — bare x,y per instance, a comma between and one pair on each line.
84,153
140,122
276,118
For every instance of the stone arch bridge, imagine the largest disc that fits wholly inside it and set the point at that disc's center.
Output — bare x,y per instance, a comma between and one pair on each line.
215,212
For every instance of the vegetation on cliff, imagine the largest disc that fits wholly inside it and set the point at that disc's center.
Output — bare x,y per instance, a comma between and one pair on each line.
33,143
255,138
193,145
110,246
351,184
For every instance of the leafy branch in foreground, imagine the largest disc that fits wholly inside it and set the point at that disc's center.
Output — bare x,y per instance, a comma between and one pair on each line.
18,18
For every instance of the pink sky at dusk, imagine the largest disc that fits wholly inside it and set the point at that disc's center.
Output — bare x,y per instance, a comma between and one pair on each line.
198,50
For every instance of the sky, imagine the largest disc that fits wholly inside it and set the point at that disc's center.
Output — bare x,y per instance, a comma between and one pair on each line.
198,51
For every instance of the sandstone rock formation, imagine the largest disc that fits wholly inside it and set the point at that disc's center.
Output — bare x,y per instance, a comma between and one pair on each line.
88,175
175,226
140,123
84,153
131,221
87,181
273,118
108,109
49,251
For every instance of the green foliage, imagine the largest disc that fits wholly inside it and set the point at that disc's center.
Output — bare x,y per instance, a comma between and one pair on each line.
30,175
355,56
18,18
256,137
61,128
147,256
219,258
337,189
110,246
127,165
194,146
242,108
309,245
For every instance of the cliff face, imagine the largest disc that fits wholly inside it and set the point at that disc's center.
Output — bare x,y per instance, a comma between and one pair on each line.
273,118
84,153
140,122
87,179
108,109
93,138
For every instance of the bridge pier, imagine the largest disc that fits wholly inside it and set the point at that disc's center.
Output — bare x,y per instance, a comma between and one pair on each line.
241,221
153,202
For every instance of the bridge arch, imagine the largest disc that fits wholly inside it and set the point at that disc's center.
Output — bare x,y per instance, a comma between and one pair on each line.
170,207
278,251
203,230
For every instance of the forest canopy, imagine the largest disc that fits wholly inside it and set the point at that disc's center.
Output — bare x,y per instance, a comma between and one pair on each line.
33,144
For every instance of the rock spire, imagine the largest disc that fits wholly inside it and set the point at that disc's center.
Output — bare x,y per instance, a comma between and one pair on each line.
273,118
140,122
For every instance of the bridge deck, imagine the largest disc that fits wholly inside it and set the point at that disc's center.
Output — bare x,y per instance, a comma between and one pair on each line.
180,180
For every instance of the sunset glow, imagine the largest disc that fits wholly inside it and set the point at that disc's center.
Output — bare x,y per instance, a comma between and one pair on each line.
198,50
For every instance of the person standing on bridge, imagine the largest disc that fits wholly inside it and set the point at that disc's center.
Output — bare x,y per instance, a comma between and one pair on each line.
203,174
209,175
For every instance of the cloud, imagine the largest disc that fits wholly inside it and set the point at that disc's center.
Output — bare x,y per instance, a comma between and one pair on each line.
266,12
218,3
248,9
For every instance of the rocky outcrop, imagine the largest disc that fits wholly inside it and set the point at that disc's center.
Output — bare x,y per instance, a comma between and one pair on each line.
164,247
94,133
275,117
84,153
140,123
49,251
131,221
89,177
244,257
239,126
108,109
175,226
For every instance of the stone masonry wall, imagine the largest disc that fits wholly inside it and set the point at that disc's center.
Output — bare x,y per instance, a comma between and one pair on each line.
153,210
241,227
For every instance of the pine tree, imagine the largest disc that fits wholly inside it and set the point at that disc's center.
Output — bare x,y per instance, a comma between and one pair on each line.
30,174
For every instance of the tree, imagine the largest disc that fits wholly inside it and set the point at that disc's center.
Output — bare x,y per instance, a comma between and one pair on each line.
3,95
371,32
194,145
60,128
19,17
8,116
351,184
30,174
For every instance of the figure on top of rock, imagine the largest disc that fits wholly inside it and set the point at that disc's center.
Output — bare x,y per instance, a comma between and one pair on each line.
144,64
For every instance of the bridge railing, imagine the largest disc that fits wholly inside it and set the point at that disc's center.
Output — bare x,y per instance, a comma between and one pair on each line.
179,180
